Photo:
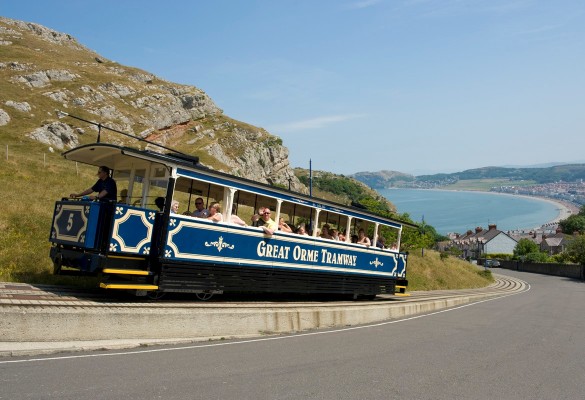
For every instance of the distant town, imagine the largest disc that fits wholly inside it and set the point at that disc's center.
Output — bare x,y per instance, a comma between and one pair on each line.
560,182
572,192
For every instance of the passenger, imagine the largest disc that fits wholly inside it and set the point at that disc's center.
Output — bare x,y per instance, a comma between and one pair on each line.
214,213
270,226
283,226
200,211
105,187
334,234
394,247
257,218
174,207
354,238
123,196
325,232
380,242
302,230
363,239
160,203
342,236
235,219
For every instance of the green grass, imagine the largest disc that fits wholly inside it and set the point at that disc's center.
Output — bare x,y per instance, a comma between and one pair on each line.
32,180
429,272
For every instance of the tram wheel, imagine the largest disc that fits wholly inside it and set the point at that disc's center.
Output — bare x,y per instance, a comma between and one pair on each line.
204,296
155,295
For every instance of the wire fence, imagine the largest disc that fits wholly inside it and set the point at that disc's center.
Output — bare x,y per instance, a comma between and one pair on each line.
18,153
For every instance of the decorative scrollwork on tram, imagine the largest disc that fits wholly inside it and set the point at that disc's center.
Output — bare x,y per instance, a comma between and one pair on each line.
220,244
377,263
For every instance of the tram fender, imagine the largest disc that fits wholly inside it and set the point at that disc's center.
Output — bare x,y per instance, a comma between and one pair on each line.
86,262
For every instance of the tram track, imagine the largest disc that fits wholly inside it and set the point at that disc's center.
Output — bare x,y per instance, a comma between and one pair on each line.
26,295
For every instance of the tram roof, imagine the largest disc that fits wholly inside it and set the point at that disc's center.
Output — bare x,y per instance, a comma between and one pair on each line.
120,157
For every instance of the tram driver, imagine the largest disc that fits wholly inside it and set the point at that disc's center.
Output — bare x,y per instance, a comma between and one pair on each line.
105,187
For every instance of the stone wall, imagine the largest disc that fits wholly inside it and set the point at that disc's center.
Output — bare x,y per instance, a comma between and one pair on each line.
574,271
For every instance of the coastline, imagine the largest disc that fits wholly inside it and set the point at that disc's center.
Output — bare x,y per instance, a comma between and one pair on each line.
564,209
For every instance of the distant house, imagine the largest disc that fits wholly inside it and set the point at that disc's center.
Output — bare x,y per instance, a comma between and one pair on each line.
497,242
555,244
482,242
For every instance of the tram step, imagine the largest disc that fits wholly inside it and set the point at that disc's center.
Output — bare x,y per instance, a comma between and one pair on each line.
128,285
121,271
400,291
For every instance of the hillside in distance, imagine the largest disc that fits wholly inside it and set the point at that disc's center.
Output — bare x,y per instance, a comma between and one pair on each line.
384,179
557,173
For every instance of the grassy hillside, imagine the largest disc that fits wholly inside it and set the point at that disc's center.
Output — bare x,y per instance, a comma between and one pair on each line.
433,273
32,179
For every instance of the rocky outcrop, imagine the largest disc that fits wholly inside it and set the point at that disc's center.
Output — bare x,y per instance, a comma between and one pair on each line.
4,117
56,134
125,99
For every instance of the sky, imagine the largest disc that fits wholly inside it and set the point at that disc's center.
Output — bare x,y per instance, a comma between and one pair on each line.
416,86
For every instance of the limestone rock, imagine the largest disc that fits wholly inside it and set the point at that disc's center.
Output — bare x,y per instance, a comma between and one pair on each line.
4,117
56,134
24,106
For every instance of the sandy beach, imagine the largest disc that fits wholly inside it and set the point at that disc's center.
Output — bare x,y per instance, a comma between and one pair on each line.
564,208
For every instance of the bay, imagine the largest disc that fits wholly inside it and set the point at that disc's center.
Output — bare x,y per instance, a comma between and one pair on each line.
458,211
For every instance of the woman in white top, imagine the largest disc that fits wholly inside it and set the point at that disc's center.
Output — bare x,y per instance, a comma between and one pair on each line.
214,214
235,219
283,226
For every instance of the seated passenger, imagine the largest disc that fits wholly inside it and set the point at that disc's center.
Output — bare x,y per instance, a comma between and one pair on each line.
123,196
174,207
342,236
270,226
325,232
302,230
283,226
214,213
257,218
354,238
235,219
334,234
200,211
363,239
380,242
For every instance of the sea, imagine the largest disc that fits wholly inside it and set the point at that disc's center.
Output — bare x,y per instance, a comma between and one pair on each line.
451,211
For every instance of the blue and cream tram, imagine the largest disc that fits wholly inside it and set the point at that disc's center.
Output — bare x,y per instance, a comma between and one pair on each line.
133,245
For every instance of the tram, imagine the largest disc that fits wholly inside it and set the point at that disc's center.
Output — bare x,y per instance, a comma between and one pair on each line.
131,244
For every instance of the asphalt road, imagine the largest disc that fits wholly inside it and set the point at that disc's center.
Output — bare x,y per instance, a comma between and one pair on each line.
525,346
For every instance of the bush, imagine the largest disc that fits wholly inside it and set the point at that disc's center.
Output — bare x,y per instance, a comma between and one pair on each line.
536,257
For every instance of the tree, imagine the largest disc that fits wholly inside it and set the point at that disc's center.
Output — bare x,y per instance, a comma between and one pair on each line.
574,223
524,247
576,249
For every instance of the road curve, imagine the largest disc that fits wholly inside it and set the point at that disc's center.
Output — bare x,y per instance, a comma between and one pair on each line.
46,319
